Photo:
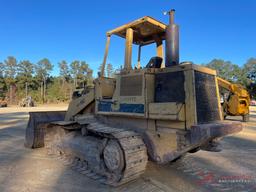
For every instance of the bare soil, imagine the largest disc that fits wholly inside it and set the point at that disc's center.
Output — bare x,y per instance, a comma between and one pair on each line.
21,169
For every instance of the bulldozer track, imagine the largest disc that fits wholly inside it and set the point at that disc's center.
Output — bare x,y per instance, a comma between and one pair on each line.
132,146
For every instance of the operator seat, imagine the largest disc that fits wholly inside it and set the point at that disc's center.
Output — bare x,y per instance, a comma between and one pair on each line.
155,62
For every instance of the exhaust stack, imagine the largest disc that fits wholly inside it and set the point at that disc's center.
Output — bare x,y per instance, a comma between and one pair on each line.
171,42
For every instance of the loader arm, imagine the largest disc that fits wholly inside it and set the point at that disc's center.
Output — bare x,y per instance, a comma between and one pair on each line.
233,88
224,84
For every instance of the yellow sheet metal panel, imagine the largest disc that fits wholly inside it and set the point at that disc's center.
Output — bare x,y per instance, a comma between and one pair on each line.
167,111
145,28
170,125
202,69
218,96
105,87
150,87
189,86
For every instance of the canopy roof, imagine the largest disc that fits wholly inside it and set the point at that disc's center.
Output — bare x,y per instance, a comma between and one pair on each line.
146,30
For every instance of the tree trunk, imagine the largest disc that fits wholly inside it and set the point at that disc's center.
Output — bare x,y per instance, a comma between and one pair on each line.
26,89
11,94
75,83
70,93
42,91
63,82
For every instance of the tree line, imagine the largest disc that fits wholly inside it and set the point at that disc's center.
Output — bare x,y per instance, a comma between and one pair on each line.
19,79
244,75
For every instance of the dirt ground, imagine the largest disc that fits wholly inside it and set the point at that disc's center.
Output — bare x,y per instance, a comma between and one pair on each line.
26,170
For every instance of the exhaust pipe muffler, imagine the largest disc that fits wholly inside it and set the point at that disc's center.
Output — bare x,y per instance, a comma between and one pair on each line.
171,42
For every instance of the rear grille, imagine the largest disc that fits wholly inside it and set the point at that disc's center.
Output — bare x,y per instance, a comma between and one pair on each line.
131,86
206,98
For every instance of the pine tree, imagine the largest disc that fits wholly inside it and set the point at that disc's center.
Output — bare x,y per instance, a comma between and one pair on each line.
43,68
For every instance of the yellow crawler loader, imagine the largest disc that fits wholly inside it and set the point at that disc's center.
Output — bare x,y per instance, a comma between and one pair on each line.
237,101
157,112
